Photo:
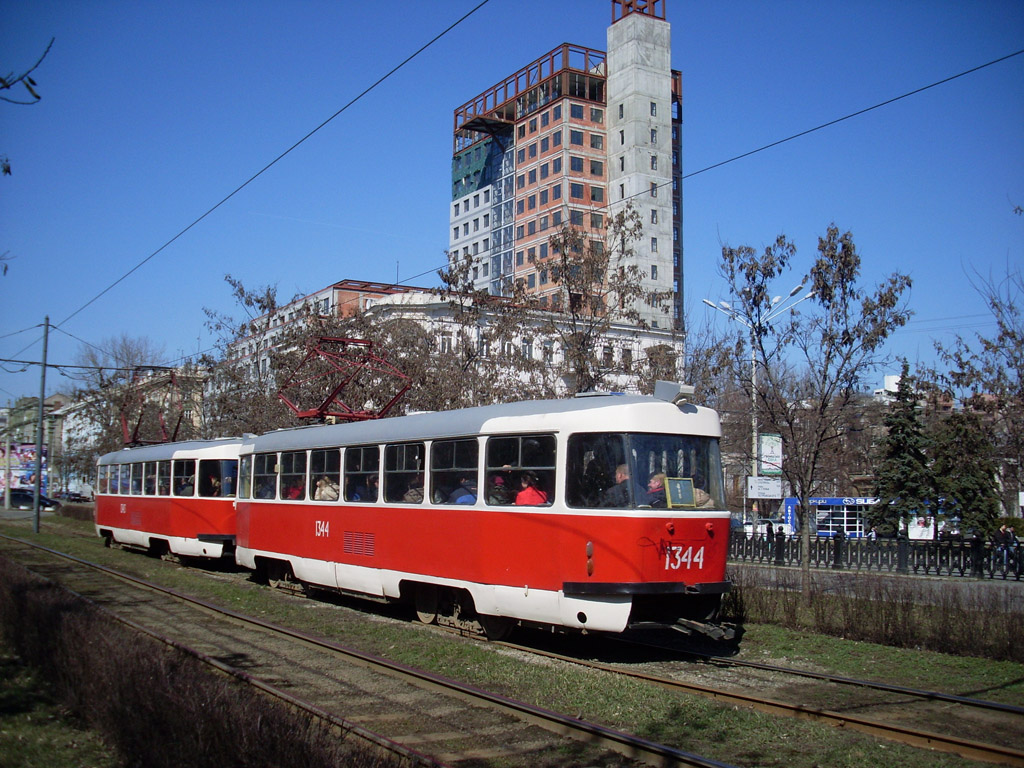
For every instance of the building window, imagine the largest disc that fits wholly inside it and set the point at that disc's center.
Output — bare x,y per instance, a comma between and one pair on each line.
622,191
455,233
521,156
533,125
545,144
576,111
654,215
531,227
597,194
556,113
556,192
545,118
531,202
622,137
654,245
531,177
520,181
576,218
531,281
576,191
487,195
596,141
622,162
544,246
654,271
654,109
465,228
596,221
476,201
556,165
576,164
576,138
543,198
487,219
520,207
596,115
621,109
654,189
654,135
654,162
533,150
596,168
521,132
543,219
556,218
476,225
456,209
519,258
556,139
544,171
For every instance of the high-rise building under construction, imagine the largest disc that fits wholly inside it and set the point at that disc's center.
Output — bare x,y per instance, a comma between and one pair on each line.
571,138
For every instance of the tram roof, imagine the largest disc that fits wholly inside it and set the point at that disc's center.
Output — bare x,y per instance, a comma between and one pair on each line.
223,447
617,413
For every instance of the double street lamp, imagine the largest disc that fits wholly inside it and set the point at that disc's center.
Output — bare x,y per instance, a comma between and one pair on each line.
778,306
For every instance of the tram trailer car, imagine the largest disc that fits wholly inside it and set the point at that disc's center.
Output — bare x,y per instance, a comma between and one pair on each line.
171,497
544,513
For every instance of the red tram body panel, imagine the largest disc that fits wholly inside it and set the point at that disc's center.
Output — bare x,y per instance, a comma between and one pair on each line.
574,559
174,497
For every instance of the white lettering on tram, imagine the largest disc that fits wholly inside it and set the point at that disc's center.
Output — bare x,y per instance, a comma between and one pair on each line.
323,527
676,557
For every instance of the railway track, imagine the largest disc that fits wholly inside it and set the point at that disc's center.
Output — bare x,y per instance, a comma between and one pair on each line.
913,736
910,735
513,732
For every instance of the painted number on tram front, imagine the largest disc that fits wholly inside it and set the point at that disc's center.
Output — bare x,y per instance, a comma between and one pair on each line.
677,557
322,528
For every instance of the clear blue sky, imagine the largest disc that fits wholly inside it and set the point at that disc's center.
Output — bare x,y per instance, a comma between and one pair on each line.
153,112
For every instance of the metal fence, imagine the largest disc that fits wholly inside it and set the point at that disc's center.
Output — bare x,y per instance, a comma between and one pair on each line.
973,558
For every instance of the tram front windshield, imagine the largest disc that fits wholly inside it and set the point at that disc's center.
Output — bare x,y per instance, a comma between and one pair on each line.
635,470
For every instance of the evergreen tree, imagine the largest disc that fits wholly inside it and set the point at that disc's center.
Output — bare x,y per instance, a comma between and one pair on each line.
965,471
904,482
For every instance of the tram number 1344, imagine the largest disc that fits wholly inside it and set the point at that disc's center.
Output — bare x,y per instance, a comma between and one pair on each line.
677,557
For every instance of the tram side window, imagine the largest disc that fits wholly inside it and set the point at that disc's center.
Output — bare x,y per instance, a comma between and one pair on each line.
525,466
264,475
217,477
454,466
597,472
149,478
184,477
403,472
163,478
362,466
115,480
103,479
245,477
293,475
324,474
136,479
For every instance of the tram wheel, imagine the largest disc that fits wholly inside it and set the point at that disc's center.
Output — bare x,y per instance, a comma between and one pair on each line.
426,603
496,627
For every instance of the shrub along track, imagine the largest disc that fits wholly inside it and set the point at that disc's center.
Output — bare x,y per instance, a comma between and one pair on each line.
423,717
917,709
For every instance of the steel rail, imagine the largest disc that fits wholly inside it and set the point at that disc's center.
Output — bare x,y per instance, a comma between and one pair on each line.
400,750
626,744
972,750
966,701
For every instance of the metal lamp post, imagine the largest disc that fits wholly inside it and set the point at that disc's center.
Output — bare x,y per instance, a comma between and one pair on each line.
779,305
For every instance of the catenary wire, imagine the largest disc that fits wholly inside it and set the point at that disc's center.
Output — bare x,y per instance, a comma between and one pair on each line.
602,207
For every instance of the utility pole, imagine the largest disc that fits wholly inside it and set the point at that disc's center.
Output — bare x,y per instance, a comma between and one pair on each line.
39,428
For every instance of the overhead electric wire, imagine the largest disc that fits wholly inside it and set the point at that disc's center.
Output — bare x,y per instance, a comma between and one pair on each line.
603,207
277,159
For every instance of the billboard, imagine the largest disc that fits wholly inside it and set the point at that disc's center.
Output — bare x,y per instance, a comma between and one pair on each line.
769,453
21,460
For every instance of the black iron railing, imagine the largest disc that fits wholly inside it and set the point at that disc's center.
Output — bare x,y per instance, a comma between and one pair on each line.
974,558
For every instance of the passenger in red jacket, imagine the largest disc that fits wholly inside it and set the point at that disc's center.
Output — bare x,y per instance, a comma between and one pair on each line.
530,495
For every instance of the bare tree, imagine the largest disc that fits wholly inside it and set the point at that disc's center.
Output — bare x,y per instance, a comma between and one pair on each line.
106,395
810,368
986,373
599,283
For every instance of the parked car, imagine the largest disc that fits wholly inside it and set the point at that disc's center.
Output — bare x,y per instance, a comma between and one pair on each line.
22,498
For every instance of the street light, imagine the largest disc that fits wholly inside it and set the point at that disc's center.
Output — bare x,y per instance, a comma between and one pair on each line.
778,306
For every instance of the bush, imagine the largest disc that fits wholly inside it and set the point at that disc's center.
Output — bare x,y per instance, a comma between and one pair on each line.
155,705
896,612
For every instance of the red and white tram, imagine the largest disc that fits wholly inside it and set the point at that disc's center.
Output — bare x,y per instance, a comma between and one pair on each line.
595,513
172,497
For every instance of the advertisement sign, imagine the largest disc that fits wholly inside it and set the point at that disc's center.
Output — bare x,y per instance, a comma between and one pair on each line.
769,451
764,487
22,462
